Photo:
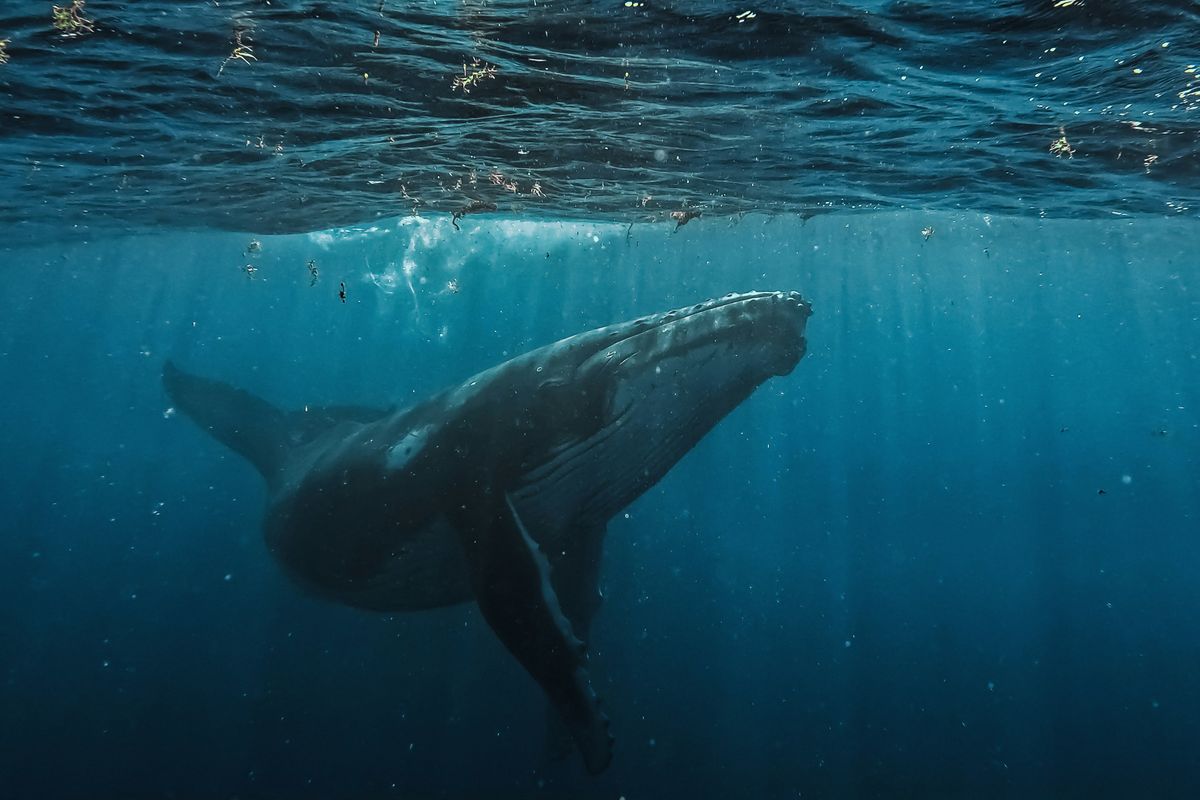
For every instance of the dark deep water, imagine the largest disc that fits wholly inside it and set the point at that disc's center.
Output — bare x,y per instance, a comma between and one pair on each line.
953,554
890,573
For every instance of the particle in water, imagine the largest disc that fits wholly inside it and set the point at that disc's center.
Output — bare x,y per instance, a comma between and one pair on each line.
660,155
255,246
926,232
228,577
1126,479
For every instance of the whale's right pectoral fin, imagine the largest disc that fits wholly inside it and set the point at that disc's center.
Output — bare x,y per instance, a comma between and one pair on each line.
575,574
511,580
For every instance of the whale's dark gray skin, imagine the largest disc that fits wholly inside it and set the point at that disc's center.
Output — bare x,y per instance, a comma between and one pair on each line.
499,489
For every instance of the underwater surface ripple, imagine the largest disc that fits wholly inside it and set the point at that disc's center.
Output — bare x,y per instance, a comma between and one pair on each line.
343,112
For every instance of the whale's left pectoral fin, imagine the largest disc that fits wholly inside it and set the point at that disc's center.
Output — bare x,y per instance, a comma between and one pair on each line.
511,580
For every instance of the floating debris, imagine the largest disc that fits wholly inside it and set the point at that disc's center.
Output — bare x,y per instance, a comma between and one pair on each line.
452,286
241,49
926,232
473,207
313,273
3,51
376,42
536,190
1061,147
250,271
683,217
471,77
1067,3
1148,161
342,292
70,20
255,246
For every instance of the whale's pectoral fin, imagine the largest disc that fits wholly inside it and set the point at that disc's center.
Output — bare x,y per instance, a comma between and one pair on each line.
511,579
575,574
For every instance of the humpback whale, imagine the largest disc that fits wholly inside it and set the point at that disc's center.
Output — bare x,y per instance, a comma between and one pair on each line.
499,489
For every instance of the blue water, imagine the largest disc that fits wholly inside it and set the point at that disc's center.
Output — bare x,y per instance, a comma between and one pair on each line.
953,554
890,573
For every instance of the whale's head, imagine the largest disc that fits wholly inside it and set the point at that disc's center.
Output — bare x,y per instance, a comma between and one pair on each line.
623,403
754,335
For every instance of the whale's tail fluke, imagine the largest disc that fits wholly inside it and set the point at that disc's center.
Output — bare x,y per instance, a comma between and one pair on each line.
246,424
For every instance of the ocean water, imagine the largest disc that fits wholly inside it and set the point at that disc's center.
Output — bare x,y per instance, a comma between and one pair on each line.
953,554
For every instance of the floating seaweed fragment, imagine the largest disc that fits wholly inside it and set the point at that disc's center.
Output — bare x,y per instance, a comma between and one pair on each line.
683,217
474,75
474,207
70,20
1061,147
241,49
